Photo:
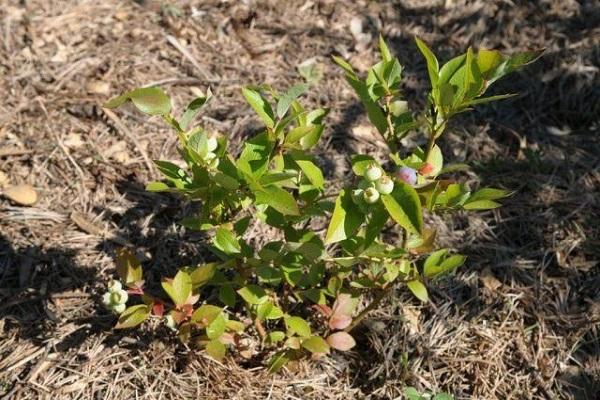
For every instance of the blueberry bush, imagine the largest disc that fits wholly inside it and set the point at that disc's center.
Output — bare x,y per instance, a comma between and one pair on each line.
299,295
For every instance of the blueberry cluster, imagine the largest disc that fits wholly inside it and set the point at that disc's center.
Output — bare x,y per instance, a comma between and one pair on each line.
374,184
115,298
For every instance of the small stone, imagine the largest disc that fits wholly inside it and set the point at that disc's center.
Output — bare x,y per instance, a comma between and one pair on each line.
22,194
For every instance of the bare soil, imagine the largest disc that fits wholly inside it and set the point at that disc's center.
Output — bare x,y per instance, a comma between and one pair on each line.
521,320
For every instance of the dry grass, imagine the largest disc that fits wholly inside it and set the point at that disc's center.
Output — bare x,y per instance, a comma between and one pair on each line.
520,321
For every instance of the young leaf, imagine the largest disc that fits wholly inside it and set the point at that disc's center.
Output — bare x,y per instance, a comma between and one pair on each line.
404,207
341,341
152,101
179,288
286,100
418,289
316,344
384,50
133,316
192,109
345,220
432,62
260,105
206,314
129,268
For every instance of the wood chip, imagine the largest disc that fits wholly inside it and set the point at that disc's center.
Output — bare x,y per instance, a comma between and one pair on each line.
24,195
489,280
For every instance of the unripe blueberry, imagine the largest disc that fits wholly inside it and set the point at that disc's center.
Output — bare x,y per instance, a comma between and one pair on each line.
114,286
373,173
170,322
119,297
407,175
384,185
212,144
119,308
106,299
371,195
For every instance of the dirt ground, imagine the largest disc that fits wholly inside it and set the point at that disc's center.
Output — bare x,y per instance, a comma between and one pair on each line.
521,320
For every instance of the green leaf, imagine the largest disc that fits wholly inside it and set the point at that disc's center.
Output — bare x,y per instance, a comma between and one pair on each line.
133,316
152,101
436,158
216,327
226,241
360,163
344,64
216,349
286,100
451,67
434,259
345,220
316,344
374,111
376,221
179,288
279,360
206,314
278,198
384,50
274,337
488,61
481,205
157,187
227,295
483,100
298,326
129,268
260,105
418,289
488,194
254,159
404,207
432,62
253,294
310,169
202,274
192,109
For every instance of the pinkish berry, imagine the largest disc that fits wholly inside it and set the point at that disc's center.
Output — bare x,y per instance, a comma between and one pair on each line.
408,175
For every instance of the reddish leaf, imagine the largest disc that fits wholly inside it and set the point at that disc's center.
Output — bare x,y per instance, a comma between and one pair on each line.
340,321
158,308
341,341
323,309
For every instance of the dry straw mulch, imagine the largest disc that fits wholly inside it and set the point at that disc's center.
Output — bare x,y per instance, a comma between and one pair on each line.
519,321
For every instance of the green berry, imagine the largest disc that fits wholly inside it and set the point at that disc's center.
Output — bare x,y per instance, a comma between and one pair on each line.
106,299
170,322
119,308
384,185
371,195
119,297
114,286
373,173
